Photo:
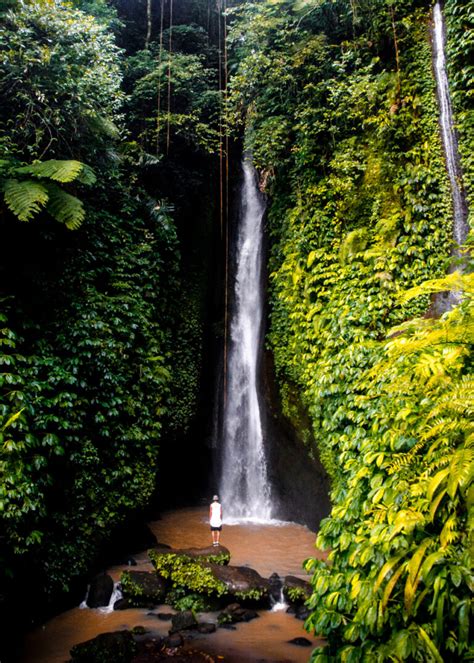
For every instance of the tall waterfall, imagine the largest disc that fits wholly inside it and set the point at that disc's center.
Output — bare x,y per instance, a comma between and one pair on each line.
244,485
460,225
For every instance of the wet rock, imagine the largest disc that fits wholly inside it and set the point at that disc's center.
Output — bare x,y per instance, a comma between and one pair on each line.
165,616
141,588
302,612
119,647
183,621
234,614
206,627
214,554
242,582
296,590
174,640
139,630
100,591
122,604
275,585
300,642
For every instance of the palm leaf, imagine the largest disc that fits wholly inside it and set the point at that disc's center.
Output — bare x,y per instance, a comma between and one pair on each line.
24,199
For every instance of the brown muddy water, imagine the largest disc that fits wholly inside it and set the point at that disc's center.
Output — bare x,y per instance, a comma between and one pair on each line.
268,548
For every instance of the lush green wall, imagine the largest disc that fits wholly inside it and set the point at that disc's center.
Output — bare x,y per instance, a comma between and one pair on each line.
102,326
339,99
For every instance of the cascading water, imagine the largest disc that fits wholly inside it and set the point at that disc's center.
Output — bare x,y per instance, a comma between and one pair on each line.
460,227
244,486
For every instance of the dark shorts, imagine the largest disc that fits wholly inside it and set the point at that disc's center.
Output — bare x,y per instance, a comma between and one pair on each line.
216,529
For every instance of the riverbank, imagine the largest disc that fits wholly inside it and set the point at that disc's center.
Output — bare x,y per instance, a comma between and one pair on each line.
267,548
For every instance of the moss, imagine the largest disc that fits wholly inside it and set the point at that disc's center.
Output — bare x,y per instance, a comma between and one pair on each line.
141,588
187,572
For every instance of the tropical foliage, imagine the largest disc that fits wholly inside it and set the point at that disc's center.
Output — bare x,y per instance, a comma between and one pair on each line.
341,107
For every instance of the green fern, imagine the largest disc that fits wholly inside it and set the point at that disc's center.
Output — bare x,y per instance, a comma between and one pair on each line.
27,197
65,208
24,198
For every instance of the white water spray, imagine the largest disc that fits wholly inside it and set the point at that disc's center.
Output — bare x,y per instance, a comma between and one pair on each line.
244,489
448,134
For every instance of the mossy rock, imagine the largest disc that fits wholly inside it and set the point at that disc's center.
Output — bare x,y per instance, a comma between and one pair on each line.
188,573
296,590
118,646
140,588
243,583
213,554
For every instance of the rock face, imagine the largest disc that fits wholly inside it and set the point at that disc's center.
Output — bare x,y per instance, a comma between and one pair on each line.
119,647
141,588
100,591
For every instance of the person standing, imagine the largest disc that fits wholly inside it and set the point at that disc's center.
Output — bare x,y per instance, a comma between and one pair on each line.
215,519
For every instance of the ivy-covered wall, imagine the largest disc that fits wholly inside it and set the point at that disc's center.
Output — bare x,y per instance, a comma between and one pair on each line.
340,103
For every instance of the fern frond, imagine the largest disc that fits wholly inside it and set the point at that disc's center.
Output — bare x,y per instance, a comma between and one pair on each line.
24,199
54,169
65,208
450,282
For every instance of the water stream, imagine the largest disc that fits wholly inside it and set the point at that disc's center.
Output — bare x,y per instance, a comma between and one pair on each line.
244,486
448,133
265,547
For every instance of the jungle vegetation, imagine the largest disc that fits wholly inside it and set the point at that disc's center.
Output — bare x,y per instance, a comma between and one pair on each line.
113,123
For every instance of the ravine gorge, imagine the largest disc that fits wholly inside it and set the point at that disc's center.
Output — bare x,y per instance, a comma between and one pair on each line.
236,258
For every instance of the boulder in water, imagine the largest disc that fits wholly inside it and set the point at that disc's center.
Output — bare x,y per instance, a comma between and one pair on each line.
141,588
301,642
183,621
234,613
242,582
296,590
119,647
275,585
215,554
100,591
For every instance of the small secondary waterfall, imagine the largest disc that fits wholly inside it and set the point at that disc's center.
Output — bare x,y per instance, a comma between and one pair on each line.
244,485
460,225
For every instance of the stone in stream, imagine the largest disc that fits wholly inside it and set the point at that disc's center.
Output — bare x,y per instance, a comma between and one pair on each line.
301,642
234,613
141,588
100,591
214,554
119,647
275,585
183,621
296,590
242,582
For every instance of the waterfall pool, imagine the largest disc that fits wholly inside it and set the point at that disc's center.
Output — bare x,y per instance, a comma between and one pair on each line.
266,547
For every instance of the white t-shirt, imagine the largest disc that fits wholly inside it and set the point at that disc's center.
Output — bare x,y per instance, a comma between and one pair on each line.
216,515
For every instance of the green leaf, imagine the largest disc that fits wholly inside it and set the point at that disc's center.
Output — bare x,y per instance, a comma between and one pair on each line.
65,208
25,199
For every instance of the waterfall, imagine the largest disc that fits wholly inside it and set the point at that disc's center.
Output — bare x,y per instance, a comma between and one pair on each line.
448,134
244,486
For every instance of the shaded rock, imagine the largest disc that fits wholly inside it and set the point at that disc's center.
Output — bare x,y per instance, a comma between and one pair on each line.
275,585
119,647
242,582
183,621
100,591
296,590
139,630
122,604
174,640
301,642
206,627
302,612
234,613
141,588
165,616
